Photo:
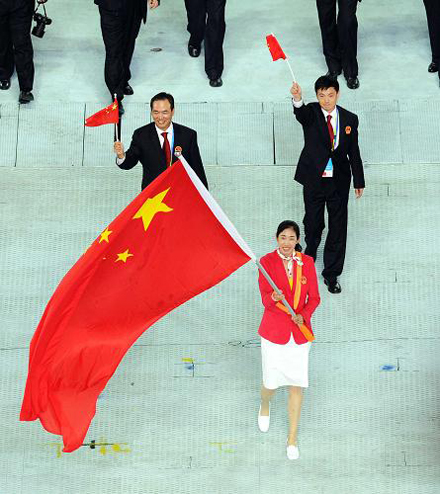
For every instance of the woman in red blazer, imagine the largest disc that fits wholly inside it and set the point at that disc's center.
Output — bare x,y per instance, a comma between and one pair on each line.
286,340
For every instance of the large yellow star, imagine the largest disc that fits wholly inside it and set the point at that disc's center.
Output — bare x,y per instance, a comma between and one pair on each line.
104,235
124,256
151,207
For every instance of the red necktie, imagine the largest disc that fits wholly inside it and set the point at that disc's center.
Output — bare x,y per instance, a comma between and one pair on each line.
330,130
166,149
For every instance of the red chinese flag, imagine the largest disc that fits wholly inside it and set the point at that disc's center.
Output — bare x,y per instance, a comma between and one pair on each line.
170,244
274,47
108,115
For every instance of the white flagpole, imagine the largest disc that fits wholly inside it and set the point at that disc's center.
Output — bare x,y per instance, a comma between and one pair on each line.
229,227
272,284
291,71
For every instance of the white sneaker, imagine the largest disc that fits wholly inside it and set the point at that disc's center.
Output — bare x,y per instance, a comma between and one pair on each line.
292,452
263,420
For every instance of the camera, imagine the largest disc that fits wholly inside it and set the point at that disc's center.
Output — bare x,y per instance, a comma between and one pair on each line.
41,22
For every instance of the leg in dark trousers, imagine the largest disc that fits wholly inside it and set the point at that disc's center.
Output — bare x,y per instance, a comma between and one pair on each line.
206,21
214,36
433,15
196,12
119,31
19,14
335,244
6,50
347,35
329,34
314,204
134,21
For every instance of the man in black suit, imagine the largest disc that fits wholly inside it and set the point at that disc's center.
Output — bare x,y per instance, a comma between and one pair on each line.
160,143
120,24
433,15
329,159
206,22
339,38
16,46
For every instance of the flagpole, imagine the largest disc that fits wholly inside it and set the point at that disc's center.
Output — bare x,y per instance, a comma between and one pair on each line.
291,71
115,128
272,284
119,125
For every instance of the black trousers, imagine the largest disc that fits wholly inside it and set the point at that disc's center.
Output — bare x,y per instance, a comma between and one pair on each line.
315,201
433,14
119,31
206,22
339,35
15,41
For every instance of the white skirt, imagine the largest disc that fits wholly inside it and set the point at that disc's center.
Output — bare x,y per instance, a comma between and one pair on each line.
285,365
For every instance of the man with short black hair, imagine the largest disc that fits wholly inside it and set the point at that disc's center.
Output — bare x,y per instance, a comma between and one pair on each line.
160,143
328,161
339,38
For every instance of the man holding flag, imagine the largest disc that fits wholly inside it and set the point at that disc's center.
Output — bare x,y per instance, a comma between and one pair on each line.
328,161
160,144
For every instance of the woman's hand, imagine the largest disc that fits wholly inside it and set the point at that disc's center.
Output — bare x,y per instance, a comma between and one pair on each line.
276,297
298,319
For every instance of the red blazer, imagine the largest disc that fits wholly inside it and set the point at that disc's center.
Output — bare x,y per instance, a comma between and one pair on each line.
276,325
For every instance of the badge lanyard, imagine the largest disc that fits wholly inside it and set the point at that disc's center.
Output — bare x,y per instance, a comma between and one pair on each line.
172,149
335,137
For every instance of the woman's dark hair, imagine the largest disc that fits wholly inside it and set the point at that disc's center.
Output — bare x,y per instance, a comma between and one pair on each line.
294,226
162,96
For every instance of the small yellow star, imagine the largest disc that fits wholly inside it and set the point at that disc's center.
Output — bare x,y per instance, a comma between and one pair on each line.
104,235
151,207
114,107
124,256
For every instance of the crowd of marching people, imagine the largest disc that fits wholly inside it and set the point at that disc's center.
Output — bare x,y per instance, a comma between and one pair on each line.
121,21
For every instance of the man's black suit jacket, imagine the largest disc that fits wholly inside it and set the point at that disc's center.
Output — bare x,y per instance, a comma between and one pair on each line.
317,149
145,147
141,5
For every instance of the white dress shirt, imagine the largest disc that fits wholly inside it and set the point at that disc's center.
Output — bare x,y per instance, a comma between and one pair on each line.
170,136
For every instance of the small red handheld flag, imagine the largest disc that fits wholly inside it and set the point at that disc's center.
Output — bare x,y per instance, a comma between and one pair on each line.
108,115
274,47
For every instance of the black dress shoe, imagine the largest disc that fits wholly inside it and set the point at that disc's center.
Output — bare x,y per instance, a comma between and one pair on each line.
333,286
333,74
352,82
433,67
216,82
128,90
25,97
194,51
5,84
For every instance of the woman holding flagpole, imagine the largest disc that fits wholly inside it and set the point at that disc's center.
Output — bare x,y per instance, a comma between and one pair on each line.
286,339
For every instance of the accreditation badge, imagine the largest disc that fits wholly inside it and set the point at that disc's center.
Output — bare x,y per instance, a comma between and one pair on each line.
328,172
